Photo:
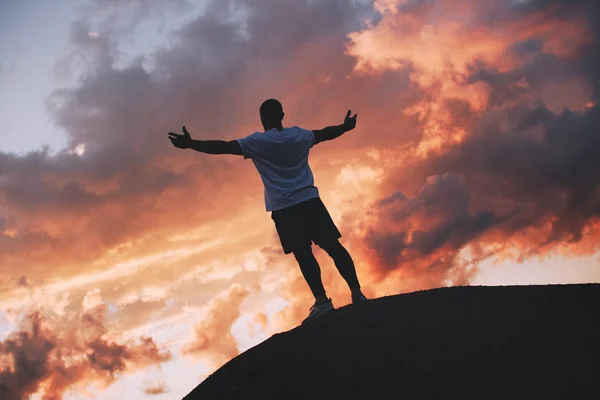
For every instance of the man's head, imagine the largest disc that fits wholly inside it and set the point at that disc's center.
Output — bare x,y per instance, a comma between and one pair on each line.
271,114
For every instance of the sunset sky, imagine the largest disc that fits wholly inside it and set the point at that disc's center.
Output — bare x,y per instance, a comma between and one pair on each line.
133,269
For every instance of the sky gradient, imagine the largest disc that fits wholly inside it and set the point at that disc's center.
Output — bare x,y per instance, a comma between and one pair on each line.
132,269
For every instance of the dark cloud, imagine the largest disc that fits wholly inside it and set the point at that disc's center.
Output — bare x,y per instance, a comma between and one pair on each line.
542,160
438,217
590,63
28,352
37,355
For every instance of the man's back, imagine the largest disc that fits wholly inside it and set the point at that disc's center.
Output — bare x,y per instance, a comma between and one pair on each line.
281,158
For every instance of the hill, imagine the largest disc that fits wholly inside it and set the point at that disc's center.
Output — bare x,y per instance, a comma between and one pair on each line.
472,341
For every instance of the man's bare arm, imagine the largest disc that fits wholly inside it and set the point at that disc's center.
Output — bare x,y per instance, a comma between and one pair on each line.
217,147
329,133
205,146
332,132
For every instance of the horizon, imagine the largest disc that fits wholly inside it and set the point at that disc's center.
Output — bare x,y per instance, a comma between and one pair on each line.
472,163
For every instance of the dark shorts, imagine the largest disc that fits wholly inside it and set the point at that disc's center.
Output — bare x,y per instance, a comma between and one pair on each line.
303,223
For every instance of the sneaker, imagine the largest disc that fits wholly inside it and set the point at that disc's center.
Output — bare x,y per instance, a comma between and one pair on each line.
358,298
319,309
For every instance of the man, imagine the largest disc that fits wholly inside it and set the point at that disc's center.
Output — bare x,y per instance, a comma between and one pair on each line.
281,158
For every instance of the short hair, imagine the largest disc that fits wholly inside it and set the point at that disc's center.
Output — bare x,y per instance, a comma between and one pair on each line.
271,109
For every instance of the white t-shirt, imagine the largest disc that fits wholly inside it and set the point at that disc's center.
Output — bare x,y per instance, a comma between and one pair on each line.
281,158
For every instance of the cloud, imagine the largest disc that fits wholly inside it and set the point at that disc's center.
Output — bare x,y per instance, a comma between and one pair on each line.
61,305
156,389
546,167
428,39
92,299
22,281
26,356
39,357
213,336
146,295
429,230
261,319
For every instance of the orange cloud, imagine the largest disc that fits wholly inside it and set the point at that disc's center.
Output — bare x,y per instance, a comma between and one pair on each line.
39,358
441,43
156,389
261,319
213,336
445,38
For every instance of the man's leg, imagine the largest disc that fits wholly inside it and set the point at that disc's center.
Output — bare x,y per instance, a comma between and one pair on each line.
343,262
311,271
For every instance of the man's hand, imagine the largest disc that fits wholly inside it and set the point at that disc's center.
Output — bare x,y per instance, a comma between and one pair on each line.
349,122
205,146
181,141
332,132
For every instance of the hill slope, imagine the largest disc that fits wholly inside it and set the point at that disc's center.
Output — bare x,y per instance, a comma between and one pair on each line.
489,342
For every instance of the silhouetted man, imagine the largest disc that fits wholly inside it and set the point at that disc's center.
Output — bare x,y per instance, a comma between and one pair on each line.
281,158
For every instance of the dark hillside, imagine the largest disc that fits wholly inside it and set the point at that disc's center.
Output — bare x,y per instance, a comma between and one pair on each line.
533,342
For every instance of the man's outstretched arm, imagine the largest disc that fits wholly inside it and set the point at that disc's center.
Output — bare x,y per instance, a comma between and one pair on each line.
332,132
217,147
205,146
